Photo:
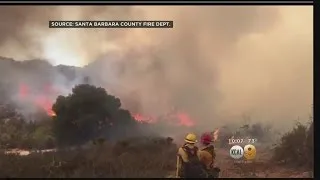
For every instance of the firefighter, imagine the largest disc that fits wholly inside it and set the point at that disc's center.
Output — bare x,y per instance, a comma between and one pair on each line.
207,155
188,163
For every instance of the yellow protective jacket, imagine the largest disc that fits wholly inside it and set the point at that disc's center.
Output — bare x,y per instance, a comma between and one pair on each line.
207,156
182,158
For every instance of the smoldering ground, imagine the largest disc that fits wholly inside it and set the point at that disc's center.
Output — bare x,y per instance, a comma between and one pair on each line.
217,63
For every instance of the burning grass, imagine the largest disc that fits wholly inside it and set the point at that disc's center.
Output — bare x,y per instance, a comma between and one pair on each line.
137,157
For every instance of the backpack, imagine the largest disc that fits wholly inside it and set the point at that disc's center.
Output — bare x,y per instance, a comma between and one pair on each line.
214,171
210,149
193,168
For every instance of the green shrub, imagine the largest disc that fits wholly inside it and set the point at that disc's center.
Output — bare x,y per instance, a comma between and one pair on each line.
296,147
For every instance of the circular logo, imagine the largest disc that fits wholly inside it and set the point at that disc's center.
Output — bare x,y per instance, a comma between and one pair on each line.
236,152
250,152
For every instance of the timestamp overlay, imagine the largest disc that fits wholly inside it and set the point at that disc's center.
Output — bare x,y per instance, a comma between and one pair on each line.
243,150
239,141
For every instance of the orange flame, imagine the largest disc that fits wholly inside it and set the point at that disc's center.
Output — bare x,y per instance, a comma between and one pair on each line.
216,135
46,104
180,119
41,101
184,120
141,118
23,90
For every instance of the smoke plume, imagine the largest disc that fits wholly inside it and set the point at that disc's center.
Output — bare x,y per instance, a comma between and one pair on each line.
217,63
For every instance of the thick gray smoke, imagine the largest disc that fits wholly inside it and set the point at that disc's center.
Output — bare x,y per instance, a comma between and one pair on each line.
217,63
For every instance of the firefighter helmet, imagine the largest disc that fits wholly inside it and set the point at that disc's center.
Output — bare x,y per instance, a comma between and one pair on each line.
191,138
206,138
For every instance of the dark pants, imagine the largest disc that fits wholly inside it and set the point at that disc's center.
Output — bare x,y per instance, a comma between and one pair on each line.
214,173
193,172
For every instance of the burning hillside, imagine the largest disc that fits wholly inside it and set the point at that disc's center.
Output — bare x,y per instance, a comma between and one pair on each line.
45,97
173,118
38,89
41,100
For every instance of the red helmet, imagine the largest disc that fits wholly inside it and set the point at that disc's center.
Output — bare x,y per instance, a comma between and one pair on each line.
206,138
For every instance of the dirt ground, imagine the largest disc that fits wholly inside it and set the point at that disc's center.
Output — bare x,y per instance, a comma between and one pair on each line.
262,167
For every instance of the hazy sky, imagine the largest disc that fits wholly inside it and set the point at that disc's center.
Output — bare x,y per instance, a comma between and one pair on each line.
217,63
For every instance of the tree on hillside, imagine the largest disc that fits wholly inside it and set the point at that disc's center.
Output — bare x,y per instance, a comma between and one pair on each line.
88,113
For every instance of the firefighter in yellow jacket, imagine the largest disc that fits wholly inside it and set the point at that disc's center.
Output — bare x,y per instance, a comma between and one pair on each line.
188,163
207,156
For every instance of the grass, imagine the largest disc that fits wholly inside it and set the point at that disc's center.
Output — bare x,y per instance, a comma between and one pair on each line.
137,157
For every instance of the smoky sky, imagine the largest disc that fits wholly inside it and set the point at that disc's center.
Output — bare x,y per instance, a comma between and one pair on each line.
217,63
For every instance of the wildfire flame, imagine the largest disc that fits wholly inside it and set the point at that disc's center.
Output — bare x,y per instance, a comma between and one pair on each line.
23,90
42,100
177,118
141,118
46,104
216,135
185,120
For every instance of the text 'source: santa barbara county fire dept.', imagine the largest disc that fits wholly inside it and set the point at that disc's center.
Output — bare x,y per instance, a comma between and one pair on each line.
110,24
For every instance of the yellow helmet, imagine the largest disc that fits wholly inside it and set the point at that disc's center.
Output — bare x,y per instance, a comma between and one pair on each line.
191,138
